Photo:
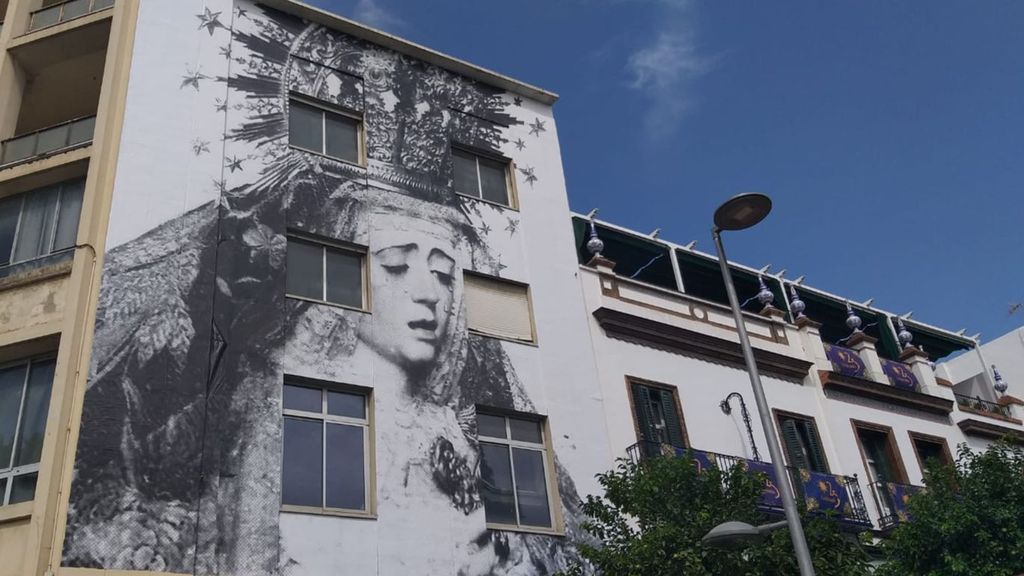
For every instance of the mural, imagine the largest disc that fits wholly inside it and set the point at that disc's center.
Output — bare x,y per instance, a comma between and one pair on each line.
179,461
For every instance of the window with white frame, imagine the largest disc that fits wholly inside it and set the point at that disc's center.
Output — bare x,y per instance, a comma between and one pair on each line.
327,463
325,273
315,128
483,177
40,222
514,471
24,403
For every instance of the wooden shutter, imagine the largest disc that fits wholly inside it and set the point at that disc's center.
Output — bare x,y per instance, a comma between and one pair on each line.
673,427
644,417
498,307
814,449
791,437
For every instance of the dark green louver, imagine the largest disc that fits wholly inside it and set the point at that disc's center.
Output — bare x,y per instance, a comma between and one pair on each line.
803,447
655,405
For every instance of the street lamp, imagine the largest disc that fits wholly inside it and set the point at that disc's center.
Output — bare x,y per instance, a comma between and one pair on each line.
735,535
739,213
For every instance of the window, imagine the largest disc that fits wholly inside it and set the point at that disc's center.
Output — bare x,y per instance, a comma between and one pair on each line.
514,471
881,456
658,418
40,222
498,307
802,443
327,458
325,273
24,403
482,177
317,129
929,448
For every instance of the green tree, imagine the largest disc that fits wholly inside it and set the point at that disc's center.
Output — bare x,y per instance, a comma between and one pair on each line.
969,521
653,515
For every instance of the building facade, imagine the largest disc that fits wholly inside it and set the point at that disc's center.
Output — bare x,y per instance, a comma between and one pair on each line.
280,293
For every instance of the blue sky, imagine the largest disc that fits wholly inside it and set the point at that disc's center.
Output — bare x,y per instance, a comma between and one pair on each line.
889,134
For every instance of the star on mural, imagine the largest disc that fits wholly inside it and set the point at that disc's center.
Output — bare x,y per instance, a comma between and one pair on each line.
221,185
537,127
192,78
529,175
499,267
200,147
485,229
513,226
225,51
210,21
234,163
222,106
520,145
241,12
518,101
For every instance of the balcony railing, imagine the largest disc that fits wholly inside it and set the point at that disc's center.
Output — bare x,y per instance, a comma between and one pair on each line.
891,498
979,405
50,140
60,13
826,494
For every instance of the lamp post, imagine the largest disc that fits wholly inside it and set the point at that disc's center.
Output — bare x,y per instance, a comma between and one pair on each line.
739,213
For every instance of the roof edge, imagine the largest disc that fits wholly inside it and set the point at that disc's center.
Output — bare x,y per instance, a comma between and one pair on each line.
450,63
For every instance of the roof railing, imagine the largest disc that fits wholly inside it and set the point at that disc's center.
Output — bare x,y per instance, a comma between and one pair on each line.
47,141
64,11
977,404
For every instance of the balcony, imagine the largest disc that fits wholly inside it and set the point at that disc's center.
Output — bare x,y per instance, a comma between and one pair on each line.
829,495
891,498
976,405
47,141
53,14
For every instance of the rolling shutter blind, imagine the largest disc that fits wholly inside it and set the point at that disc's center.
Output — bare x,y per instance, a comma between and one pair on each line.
499,308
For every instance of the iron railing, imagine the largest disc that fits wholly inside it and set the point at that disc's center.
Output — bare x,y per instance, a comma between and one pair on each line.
819,492
49,140
980,405
60,13
891,500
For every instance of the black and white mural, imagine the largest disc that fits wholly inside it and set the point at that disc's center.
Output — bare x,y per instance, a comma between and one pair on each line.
179,462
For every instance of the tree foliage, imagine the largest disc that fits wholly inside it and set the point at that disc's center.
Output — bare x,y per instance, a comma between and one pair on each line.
969,521
653,515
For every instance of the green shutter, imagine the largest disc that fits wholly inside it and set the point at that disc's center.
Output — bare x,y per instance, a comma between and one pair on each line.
673,427
794,449
644,418
817,454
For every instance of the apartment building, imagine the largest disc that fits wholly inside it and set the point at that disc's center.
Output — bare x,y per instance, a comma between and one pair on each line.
861,397
280,293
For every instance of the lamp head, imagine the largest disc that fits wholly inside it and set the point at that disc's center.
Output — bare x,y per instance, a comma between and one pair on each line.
732,536
742,211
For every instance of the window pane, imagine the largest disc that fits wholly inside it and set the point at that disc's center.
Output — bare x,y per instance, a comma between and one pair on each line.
531,488
496,484
305,126
24,488
344,404
12,380
493,426
493,182
344,278
305,270
82,131
3,490
342,137
67,220
10,209
36,225
302,482
346,477
33,415
52,139
526,430
75,8
302,398
465,173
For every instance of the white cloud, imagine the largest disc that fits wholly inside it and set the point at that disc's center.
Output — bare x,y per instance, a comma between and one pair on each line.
373,13
664,68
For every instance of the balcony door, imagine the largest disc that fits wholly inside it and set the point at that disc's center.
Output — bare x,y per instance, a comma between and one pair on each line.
659,420
882,462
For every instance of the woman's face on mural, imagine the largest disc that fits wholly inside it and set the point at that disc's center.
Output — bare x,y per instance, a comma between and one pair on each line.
412,273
